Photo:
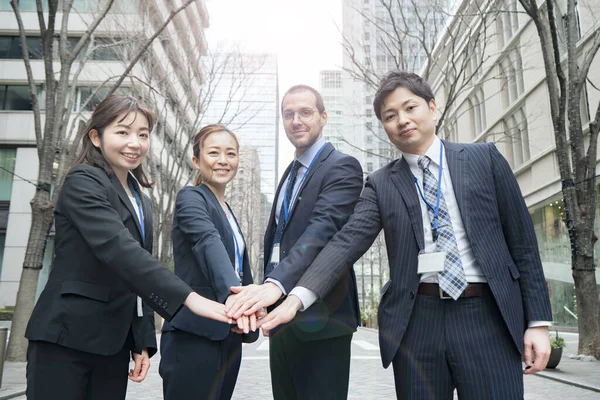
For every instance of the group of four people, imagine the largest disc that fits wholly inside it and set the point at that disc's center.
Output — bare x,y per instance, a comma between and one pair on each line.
465,304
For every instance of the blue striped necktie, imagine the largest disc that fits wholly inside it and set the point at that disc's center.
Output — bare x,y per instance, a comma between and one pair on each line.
452,279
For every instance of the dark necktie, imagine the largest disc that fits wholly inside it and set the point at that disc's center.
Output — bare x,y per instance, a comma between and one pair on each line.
289,190
452,279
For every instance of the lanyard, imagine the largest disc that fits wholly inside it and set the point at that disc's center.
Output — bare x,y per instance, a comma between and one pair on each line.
238,251
139,204
436,210
287,208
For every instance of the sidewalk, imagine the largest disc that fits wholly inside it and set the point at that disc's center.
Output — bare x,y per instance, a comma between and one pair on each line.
254,375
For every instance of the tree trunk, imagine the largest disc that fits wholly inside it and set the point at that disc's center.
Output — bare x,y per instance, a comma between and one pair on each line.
588,306
41,221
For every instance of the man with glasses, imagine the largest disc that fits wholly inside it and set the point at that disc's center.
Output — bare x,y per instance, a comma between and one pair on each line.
310,356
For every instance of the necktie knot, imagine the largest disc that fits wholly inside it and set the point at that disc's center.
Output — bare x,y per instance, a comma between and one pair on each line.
423,162
295,168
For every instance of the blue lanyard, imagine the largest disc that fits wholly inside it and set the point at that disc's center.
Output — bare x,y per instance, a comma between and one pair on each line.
139,204
435,210
238,253
287,208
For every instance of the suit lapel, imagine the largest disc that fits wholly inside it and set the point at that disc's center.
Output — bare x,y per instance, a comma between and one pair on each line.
458,168
404,182
127,202
315,167
226,228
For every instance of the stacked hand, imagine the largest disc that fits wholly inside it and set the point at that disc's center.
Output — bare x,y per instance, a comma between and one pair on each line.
245,307
249,300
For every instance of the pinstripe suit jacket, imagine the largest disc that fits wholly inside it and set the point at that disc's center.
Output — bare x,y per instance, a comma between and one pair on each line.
498,226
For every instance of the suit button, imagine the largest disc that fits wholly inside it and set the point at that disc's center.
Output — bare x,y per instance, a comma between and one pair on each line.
164,306
412,295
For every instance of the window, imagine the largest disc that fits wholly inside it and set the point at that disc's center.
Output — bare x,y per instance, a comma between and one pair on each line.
510,20
10,47
15,97
518,138
369,125
7,168
512,73
87,98
477,107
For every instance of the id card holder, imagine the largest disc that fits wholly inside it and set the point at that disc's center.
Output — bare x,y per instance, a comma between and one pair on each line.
431,262
139,307
275,254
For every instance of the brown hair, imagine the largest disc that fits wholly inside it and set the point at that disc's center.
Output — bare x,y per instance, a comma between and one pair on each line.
201,137
305,88
105,113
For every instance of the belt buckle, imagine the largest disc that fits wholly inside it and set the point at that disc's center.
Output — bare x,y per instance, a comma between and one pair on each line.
442,295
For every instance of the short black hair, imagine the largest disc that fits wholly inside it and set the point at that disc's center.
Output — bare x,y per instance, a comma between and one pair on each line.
395,79
305,88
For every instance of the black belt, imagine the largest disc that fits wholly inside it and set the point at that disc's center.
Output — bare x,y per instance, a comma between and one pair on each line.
472,290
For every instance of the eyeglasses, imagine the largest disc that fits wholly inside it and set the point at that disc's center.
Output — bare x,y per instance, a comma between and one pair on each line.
305,115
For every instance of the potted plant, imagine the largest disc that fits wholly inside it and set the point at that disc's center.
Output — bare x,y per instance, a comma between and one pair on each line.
556,344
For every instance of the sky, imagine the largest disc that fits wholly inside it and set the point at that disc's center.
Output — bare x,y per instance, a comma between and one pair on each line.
304,34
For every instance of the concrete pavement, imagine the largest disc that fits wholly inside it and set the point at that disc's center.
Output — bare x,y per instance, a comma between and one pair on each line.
368,379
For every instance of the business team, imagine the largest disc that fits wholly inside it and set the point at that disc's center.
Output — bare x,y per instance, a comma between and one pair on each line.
466,282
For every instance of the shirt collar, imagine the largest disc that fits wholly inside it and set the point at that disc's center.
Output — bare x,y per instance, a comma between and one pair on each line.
433,152
307,157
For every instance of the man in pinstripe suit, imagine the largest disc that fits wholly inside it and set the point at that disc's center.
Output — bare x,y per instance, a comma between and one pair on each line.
466,299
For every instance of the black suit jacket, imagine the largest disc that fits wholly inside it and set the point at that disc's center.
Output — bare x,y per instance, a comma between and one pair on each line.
323,205
101,262
498,227
204,252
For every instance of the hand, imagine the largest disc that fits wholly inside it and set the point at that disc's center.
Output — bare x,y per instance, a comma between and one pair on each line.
207,308
284,313
140,367
249,299
252,320
537,346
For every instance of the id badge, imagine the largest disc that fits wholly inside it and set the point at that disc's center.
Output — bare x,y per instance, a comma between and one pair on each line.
431,262
275,254
140,308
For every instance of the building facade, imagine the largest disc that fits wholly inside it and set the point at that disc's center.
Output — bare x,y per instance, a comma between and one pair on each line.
113,46
506,102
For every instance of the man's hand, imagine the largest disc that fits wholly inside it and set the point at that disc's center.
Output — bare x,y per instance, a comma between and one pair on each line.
207,308
284,313
537,347
140,367
249,299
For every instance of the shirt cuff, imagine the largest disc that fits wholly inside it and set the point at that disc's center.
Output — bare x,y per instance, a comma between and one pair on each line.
278,284
306,296
535,324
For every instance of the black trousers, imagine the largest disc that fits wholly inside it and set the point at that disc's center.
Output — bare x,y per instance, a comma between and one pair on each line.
61,373
193,367
312,370
462,345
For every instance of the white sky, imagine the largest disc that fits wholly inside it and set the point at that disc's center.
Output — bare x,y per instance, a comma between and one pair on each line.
303,33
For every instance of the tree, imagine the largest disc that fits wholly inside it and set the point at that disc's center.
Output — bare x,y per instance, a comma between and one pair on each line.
55,145
567,59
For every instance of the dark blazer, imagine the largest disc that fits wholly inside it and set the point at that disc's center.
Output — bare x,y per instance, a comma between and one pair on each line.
101,262
204,252
323,205
497,223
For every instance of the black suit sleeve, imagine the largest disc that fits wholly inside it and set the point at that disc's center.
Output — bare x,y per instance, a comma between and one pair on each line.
84,202
347,246
196,224
521,240
330,212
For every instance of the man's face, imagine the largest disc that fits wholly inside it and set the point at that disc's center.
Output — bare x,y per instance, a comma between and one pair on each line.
302,121
408,121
